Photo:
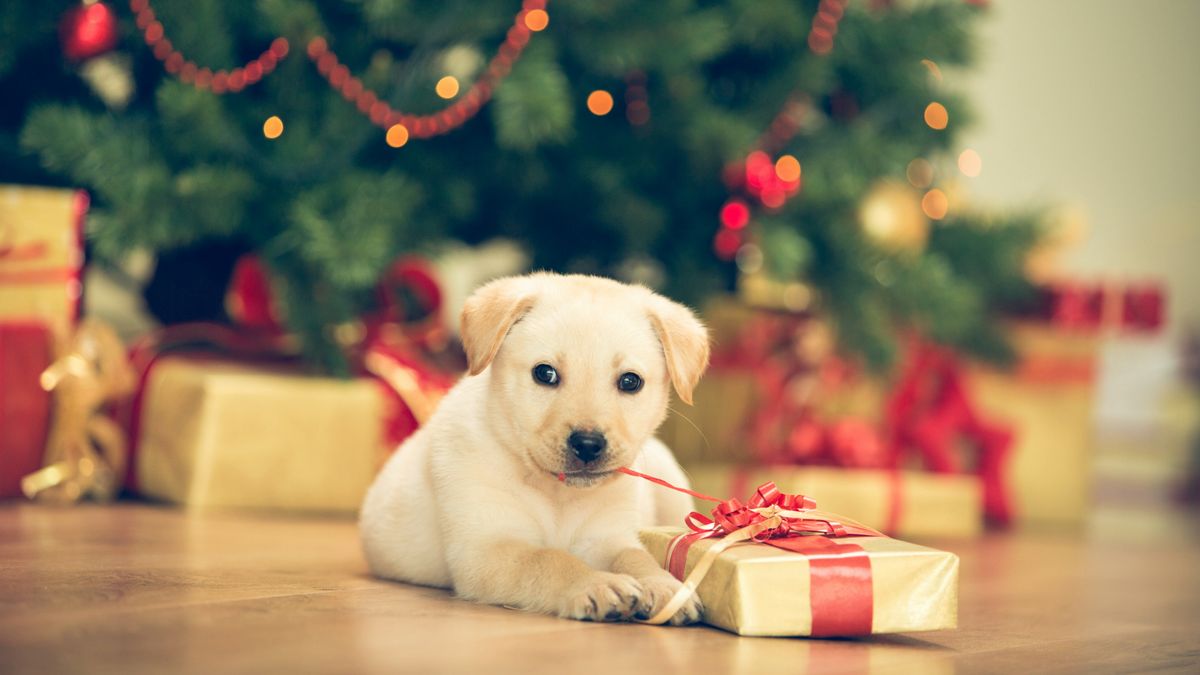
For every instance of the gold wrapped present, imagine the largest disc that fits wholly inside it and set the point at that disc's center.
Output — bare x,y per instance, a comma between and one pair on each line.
778,566
911,504
1047,399
217,434
41,254
756,589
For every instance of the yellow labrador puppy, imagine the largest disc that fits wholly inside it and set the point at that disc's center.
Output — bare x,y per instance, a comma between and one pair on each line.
508,493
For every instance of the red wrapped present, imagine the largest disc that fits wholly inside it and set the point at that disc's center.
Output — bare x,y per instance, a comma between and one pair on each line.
25,351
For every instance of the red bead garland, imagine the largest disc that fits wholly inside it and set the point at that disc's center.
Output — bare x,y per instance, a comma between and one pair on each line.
339,77
220,81
449,118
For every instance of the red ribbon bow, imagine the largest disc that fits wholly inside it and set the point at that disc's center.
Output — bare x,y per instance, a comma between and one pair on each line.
798,516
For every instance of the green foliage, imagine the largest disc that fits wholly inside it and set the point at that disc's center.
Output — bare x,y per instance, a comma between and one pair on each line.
328,204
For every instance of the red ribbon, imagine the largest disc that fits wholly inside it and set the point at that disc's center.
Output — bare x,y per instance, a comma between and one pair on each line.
930,409
841,587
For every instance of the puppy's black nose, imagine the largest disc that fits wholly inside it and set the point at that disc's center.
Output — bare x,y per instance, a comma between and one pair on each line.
587,445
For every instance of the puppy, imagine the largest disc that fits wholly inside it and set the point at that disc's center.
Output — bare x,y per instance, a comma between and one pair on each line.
508,493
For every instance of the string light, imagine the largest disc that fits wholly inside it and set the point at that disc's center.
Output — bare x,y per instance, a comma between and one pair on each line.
787,168
447,87
970,163
536,20
600,102
919,173
397,135
936,116
273,127
935,204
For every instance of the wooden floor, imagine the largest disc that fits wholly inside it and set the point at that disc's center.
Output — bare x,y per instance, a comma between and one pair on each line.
135,588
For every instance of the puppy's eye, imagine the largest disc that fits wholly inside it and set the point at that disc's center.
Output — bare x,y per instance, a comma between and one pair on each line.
629,383
545,374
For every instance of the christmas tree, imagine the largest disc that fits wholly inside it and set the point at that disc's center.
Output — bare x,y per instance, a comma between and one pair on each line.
679,143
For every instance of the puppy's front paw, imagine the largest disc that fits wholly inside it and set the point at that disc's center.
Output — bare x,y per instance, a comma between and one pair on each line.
603,596
657,591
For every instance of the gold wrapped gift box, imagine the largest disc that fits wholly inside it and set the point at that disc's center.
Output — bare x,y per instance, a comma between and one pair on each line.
1048,401
756,589
42,252
222,435
926,504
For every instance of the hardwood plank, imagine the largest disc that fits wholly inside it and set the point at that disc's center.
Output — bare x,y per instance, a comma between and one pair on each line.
135,588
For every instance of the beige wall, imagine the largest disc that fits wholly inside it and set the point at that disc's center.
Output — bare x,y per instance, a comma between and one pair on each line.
1095,104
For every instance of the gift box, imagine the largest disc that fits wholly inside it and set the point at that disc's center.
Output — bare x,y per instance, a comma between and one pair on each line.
217,434
903,503
25,351
41,253
1048,399
776,566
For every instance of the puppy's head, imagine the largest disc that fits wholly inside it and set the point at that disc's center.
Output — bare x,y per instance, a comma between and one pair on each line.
580,368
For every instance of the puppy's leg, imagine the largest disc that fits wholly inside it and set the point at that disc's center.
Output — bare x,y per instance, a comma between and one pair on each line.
658,586
552,581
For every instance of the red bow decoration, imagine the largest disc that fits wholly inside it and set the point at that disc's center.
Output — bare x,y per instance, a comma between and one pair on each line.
930,409
798,515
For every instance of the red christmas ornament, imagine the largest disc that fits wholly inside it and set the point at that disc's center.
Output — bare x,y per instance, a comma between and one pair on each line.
249,300
87,31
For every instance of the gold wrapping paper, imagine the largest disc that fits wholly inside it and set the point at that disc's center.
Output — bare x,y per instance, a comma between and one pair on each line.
931,505
754,589
1048,401
40,255
218,435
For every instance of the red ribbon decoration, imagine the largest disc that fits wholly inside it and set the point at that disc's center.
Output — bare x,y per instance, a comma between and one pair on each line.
930,409
841,588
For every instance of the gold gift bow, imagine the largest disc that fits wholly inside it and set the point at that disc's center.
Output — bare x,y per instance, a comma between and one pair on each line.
86,451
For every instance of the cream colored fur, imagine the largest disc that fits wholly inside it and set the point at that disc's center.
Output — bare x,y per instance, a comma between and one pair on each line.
472,501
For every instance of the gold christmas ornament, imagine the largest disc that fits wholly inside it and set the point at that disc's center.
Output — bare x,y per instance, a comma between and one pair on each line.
891,216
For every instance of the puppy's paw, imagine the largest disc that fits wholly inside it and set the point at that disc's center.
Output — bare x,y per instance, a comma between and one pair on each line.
603,596
657,591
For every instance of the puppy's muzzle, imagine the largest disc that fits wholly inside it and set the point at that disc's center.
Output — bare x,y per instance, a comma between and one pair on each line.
587,445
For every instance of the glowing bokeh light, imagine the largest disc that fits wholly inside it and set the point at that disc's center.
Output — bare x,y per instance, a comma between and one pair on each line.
787,168
397,135
935,204
600,102
933,69
273,127
919,173
936,116
970,163
447,87
735,214
537,20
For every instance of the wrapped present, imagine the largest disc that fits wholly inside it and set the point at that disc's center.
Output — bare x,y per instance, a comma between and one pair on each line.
1048,398
218,434
26,349
777,566
41,254
902,503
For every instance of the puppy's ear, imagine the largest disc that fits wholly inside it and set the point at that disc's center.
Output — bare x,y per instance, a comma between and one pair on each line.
685,344
488,314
